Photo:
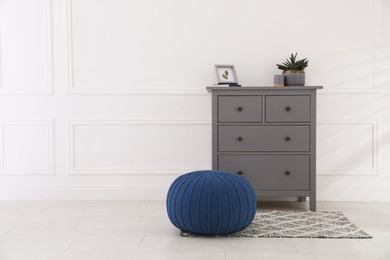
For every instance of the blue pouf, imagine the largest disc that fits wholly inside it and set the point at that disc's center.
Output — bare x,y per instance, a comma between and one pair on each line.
211,203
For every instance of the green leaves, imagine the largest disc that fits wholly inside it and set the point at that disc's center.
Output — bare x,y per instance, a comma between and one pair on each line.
292,64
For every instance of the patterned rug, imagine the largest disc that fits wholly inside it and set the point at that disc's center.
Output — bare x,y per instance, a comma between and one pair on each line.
297,224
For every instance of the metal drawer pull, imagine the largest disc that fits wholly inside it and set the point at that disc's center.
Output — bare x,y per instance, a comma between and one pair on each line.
239,172
287,172
287,138
239,138
239,109
288,108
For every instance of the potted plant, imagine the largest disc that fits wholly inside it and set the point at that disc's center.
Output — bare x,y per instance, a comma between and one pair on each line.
293,71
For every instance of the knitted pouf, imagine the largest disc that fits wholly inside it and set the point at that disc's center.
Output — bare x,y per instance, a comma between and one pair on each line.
211,203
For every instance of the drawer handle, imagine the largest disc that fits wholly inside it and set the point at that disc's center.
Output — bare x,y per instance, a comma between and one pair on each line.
287,172
239,108
287,138
288,108
240,173
240,138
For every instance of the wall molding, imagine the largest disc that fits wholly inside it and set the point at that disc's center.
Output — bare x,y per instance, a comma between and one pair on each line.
50,66
378,29
374,150
127,121
112,90
163,91
29,172
204,121
136,92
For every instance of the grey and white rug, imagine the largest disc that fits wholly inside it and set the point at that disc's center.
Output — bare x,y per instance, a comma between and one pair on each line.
298,224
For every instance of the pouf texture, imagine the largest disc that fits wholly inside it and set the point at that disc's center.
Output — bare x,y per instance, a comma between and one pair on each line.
211,203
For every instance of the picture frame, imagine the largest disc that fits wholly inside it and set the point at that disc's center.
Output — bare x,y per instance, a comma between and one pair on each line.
226,74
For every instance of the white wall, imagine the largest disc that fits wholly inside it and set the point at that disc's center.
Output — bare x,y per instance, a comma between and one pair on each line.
106,99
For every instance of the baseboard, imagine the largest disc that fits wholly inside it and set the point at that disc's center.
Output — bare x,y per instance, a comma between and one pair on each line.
101,193
160,193
353,194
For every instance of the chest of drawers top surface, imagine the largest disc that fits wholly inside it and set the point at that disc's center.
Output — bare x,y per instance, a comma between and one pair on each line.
210,88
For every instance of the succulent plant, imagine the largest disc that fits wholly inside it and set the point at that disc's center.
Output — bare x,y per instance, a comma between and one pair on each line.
293,64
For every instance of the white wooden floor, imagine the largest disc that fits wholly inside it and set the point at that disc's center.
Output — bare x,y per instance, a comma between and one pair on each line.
121,230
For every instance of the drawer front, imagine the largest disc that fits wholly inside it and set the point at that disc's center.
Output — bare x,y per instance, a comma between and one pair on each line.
287,108
240,109
264,138
269,172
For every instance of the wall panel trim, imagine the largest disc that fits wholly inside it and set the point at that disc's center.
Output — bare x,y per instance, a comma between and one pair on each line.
129,121
374,150
112,90
50,66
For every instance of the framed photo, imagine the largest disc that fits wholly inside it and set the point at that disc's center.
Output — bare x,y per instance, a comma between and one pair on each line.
226,74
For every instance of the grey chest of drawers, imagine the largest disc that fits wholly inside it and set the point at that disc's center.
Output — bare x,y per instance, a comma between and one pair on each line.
267,135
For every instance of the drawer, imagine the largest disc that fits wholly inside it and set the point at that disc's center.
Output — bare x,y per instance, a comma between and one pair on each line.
287,108
264,138
240,109
269,172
